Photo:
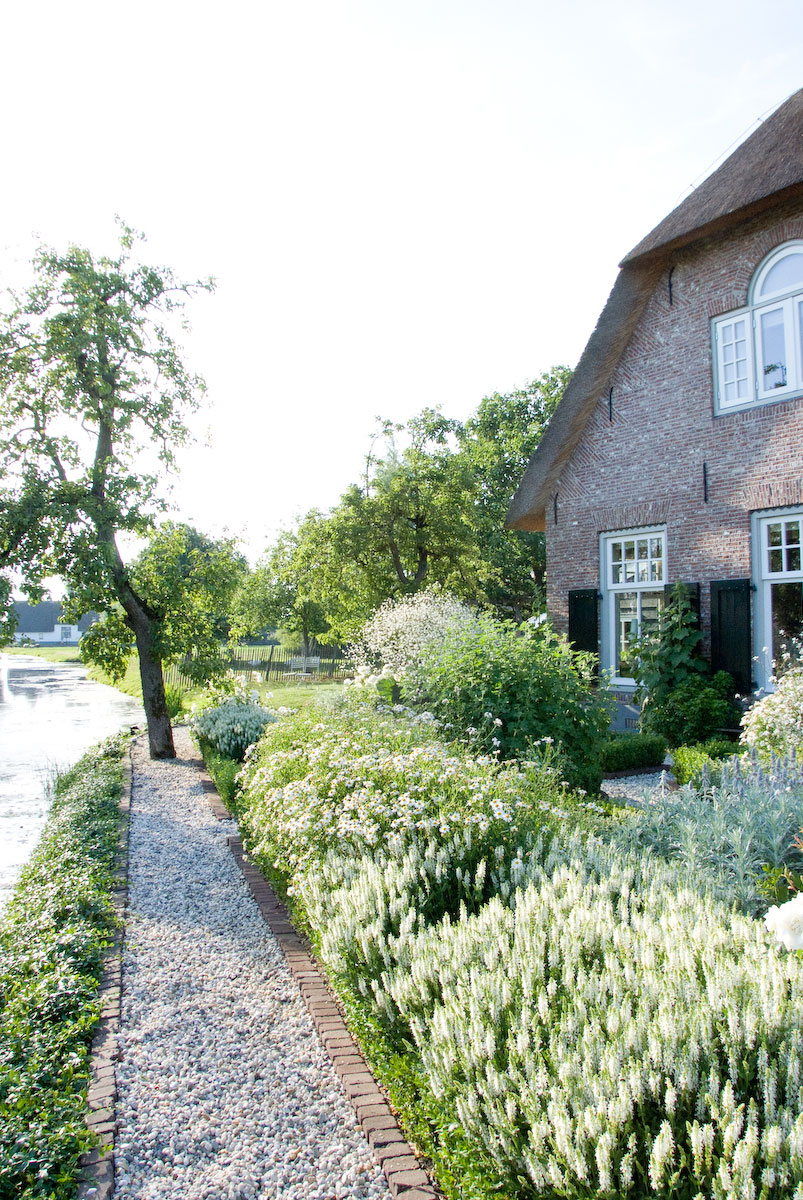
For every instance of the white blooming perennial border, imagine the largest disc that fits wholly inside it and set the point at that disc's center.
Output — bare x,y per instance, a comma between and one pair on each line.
605,1029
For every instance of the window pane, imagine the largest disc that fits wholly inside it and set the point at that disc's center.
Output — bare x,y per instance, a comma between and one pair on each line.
785,276
776,561
791,533
732,337
642,548
773,343
793,558
616,551
774,533
651,605
626,632
656,548
630,551
787,615
616,573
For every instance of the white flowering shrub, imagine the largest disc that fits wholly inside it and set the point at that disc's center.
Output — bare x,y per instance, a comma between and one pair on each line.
362,780
786,922
590,1020
774,724
393,639
727,835
615,1035
232,726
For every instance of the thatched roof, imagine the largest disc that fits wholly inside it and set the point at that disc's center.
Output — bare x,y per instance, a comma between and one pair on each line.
762,171
765,170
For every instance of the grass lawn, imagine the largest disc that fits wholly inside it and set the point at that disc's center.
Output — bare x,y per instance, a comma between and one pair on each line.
276,695
58,654
297,695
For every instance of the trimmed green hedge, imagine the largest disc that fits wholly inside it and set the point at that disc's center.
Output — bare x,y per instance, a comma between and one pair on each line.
52,938
629,751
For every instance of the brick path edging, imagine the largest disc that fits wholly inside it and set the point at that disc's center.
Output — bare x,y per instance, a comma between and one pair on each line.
96,1167
395,1155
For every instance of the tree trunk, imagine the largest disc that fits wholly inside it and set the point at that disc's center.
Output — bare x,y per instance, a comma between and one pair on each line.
140,621
160,733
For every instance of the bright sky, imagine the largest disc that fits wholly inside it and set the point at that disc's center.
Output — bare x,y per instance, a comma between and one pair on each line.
404,202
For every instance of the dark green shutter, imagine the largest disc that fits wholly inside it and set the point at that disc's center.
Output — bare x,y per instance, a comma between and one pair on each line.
730,631
583,619
692,591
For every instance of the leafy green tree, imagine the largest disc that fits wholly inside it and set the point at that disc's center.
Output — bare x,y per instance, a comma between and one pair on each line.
276,594
188,582
495,446
407,524
93,402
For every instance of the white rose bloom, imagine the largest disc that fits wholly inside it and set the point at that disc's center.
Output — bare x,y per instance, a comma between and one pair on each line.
786,922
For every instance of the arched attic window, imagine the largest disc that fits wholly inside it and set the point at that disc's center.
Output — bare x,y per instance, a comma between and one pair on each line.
758,351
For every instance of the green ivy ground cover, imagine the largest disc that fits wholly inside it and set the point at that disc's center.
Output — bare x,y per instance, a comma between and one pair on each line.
52,938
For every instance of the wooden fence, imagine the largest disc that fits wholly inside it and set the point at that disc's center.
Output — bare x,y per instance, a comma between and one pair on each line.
269,662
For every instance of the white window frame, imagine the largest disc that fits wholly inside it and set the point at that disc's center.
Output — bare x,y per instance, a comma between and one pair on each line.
763,579
790,303
609,591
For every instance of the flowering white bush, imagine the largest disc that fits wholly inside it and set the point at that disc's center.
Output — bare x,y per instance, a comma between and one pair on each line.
395,636
232,726
774,724
786,922
361,779
607,1032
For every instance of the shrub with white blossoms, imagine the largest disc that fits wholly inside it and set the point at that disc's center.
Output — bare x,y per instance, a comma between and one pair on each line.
394,638
774,724
361,780
610,1033
232,726
786,922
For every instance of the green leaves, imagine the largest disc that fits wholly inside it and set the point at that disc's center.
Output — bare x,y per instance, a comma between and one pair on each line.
92,387
429,509
51,941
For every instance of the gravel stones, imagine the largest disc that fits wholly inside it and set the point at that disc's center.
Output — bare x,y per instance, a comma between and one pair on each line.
637,787
224,1091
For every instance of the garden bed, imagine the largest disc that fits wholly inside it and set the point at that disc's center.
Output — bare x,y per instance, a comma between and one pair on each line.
52,939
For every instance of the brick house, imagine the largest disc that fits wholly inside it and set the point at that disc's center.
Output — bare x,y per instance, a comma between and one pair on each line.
676,452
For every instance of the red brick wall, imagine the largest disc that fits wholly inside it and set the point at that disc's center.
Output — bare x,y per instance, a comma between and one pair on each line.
646,466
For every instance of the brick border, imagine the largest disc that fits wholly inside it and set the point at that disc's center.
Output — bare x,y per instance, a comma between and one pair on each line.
96,1167
395,1155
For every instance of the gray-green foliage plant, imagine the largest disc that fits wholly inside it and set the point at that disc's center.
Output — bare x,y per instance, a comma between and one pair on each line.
729,833
233,726
509,688
52,936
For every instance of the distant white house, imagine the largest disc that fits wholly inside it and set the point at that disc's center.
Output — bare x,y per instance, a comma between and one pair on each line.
41,623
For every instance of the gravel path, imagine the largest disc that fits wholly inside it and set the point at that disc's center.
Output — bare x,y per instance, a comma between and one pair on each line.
636,787
224,1090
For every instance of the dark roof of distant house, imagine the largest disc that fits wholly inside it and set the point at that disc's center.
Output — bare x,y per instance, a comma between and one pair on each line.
43,617
764,170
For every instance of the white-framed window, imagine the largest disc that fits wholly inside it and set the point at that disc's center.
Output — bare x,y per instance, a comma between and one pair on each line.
758,351
633,570
778,573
